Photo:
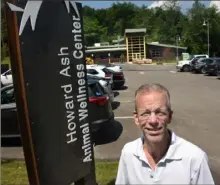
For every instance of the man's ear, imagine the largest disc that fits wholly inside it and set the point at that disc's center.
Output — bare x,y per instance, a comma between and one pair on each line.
170,116
135,116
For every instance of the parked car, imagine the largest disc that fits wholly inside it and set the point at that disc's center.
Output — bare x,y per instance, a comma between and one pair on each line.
98,71
9,120
218,71
113,67
118,78
193,62
184,65
198,65
105,85
6,78
212,68
218,74
99,106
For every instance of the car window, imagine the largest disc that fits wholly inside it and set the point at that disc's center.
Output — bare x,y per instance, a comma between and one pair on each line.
201,60
92,71
218,61
95,90
7,96
209,61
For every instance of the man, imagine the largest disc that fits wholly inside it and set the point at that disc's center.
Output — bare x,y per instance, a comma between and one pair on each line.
160,156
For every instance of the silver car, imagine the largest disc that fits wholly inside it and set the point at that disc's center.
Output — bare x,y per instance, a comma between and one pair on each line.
108,89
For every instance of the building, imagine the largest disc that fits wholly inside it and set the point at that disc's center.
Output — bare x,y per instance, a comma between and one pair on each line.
134,46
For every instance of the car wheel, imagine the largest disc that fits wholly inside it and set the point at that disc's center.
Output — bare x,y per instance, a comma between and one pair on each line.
203,70
186,68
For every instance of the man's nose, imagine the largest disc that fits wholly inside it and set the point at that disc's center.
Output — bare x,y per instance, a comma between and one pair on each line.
153,118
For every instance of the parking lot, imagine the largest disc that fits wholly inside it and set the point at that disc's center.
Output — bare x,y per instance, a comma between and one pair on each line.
195,101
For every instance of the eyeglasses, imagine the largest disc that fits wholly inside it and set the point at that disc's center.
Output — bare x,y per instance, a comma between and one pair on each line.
160,114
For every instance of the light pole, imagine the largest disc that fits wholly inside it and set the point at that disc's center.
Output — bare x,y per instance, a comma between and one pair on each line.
177,54
204,24
109,58
118,38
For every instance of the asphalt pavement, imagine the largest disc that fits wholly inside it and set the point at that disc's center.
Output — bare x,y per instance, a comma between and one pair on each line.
194,98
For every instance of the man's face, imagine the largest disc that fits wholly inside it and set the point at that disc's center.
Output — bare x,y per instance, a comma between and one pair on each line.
152,115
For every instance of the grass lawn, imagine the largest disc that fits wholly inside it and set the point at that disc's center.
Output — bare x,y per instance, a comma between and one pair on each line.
14,173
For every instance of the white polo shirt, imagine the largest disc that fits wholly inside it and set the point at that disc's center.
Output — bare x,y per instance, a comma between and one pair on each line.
184,163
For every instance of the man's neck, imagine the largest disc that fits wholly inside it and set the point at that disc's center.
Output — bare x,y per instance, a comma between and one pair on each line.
154,152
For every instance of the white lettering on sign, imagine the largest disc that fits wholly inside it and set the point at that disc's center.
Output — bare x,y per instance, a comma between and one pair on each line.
86,143
83,112
77,53
82,89
67,93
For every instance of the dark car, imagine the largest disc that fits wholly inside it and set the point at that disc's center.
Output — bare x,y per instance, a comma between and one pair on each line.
106,86
218,71
9,120
99,106
212,68
193,63
118,78
198,65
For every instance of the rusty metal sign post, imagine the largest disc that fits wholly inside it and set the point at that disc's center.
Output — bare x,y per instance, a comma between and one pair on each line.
46,43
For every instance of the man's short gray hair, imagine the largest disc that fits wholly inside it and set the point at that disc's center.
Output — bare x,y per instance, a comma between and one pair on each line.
148,88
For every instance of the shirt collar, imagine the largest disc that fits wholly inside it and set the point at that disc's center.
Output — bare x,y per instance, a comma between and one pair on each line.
171,154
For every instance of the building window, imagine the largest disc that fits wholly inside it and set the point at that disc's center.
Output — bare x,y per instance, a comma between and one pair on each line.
156,53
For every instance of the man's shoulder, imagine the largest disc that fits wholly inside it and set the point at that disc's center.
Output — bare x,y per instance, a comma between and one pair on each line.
190,150
132,146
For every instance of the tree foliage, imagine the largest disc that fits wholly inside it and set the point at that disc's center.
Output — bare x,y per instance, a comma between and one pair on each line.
163,24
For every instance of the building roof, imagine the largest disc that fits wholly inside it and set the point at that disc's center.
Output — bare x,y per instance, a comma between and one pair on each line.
106,49
109,46
122,47
165,45
139,30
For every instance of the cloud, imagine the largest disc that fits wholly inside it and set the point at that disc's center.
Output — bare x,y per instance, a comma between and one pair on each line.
157,4
163,4
216,3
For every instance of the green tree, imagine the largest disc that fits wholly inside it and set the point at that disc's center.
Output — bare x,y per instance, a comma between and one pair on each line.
194,35
93,32
4,35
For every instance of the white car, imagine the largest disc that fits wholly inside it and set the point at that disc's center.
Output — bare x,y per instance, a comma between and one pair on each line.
99,72
113,67
184,65
6,78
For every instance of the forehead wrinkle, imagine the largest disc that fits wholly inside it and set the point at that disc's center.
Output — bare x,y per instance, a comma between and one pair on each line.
150,92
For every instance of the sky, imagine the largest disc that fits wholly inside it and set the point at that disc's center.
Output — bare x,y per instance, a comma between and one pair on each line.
184,4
